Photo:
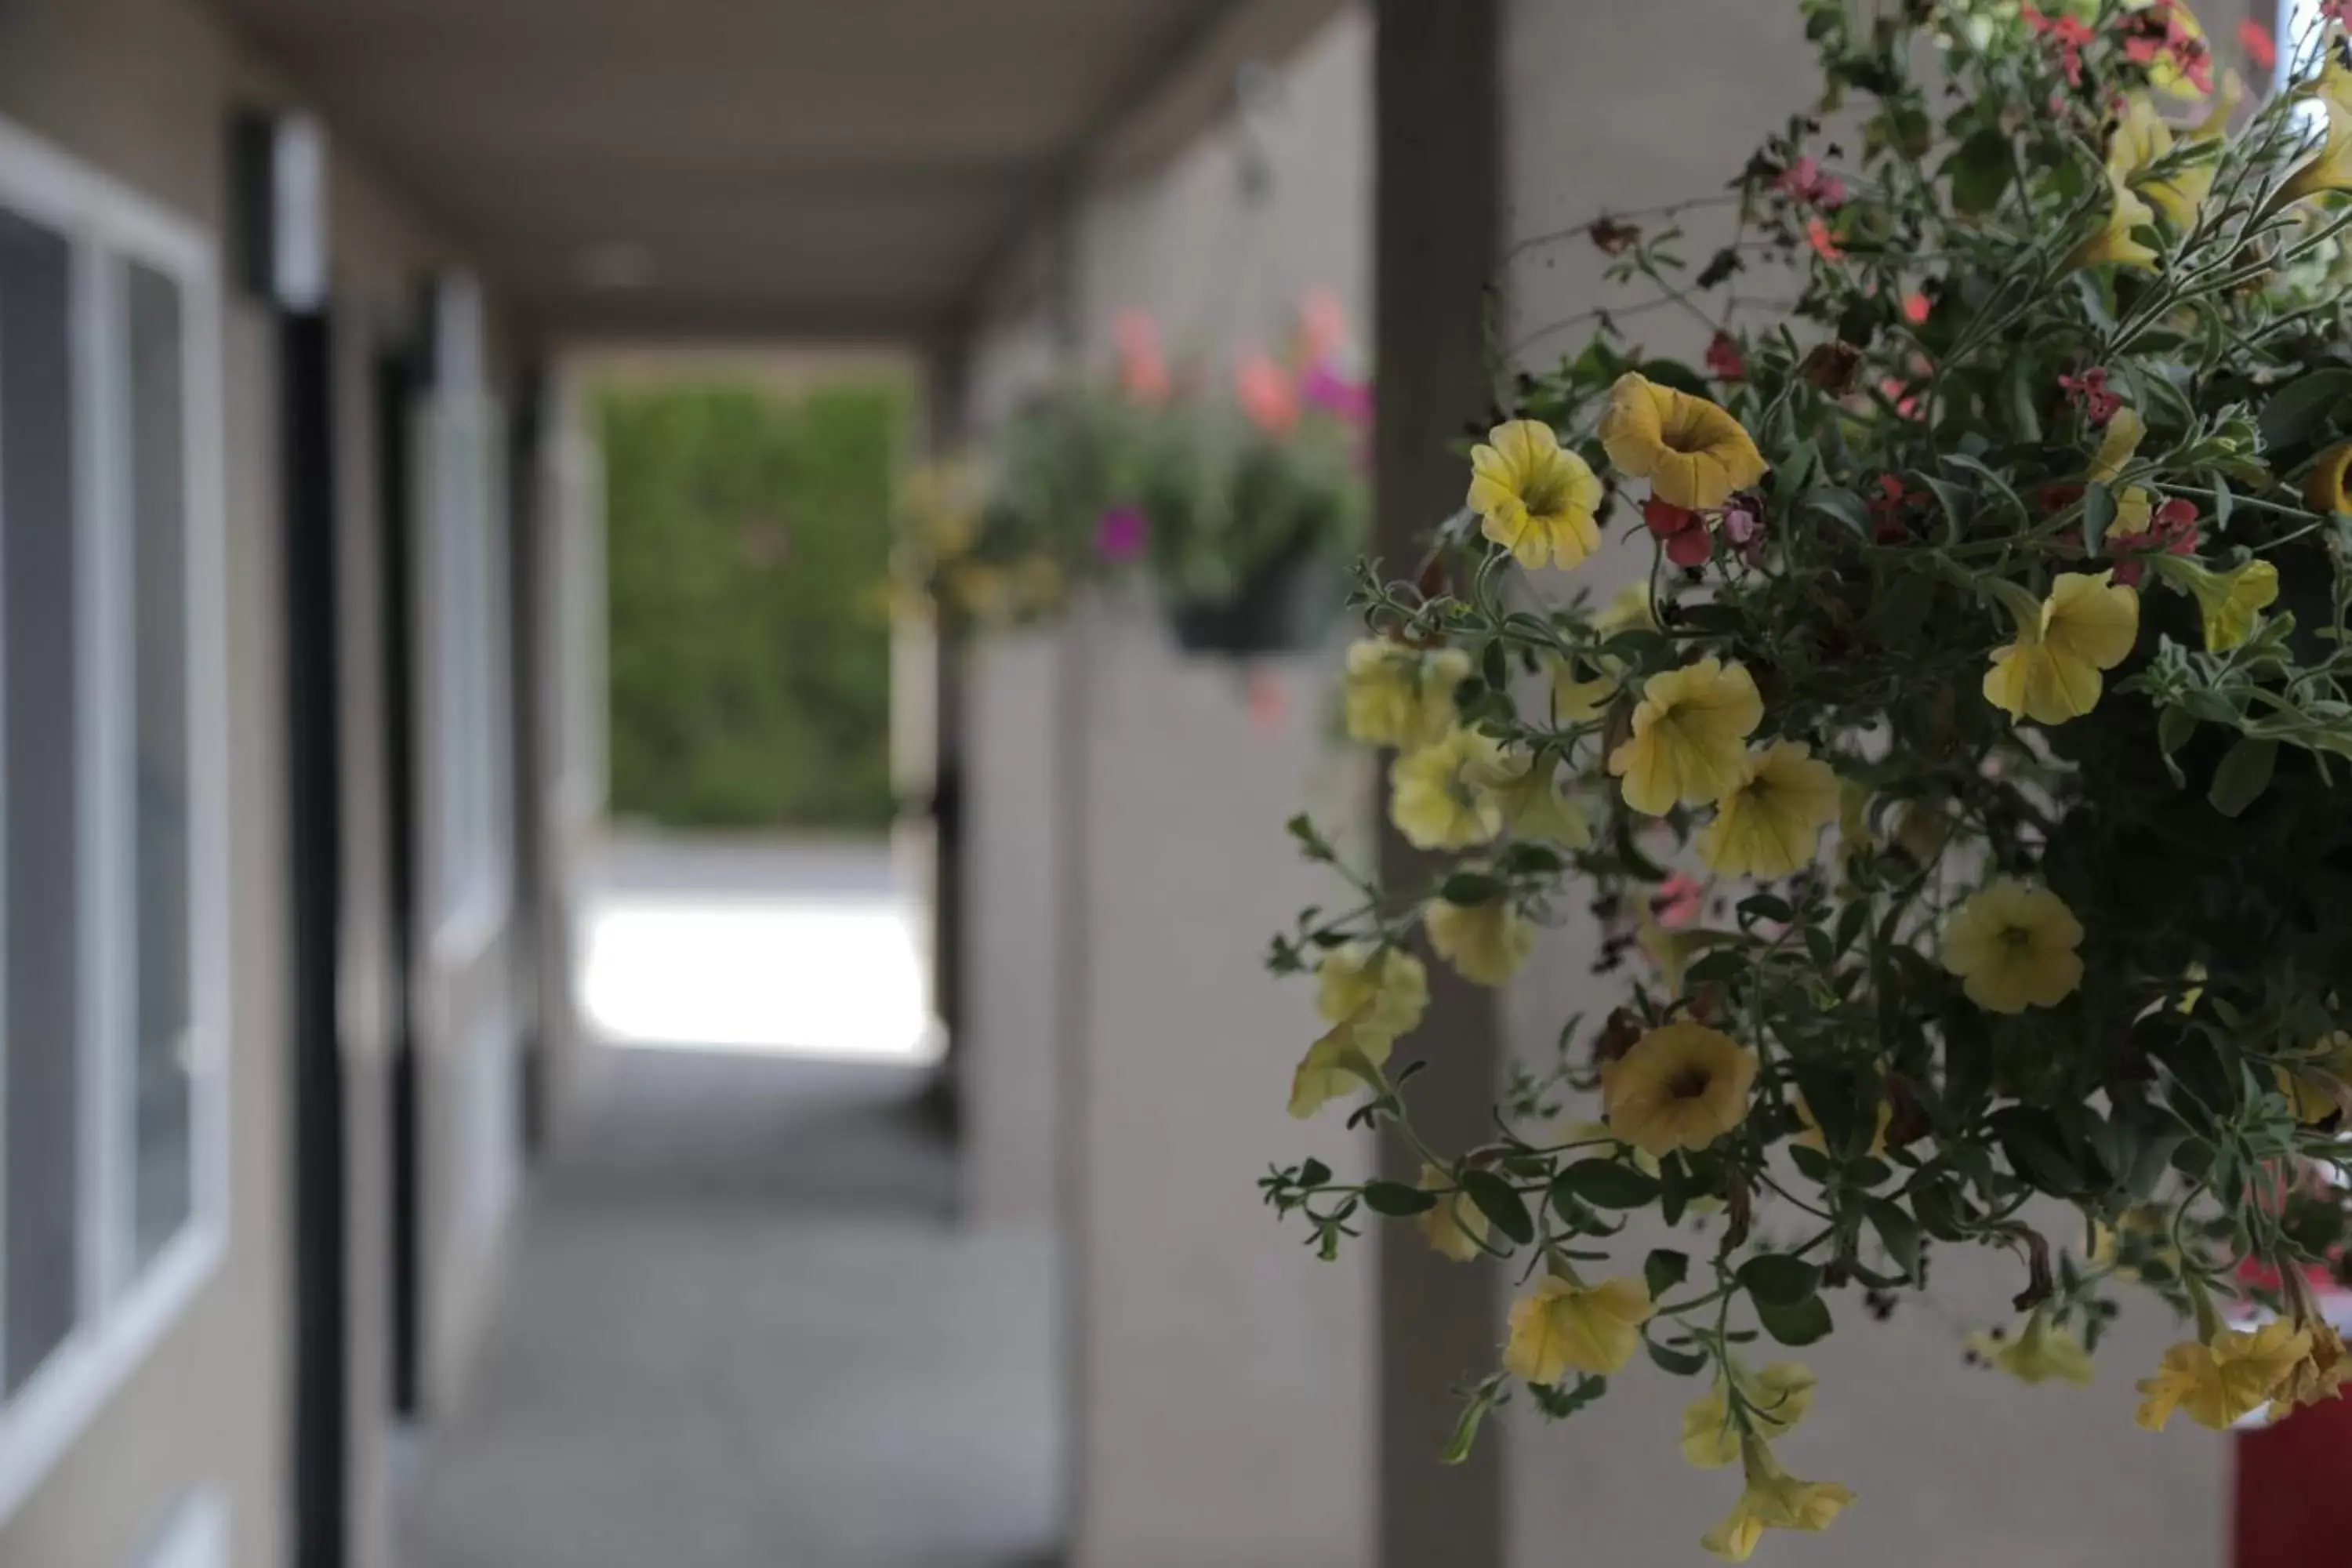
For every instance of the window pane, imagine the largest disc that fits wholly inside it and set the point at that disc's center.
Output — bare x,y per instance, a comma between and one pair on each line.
39,1141
163,1186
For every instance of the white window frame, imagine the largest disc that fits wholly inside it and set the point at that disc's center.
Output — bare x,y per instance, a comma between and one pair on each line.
468,664
196,1536
120,1317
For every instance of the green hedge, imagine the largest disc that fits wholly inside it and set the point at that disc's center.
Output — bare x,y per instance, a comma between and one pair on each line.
750,659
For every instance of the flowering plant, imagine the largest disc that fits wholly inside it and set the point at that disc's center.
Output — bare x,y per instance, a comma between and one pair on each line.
1095,480
1964,769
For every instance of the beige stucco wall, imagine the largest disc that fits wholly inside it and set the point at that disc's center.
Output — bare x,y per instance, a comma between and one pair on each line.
1130,867
1954,1467
143,89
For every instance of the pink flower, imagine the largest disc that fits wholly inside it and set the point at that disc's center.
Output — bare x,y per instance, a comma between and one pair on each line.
2261,49
1120,534
2159,31
2089,391
2067,35
1265,393
2337,11
1326,389
1322,326
2171,528
1685,532
1805,182
1679,900
1724,360
1142,366
1888,525
1743,527
1915,308
1817,234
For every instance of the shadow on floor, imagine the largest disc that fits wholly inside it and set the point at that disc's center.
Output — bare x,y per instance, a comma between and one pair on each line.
740,1330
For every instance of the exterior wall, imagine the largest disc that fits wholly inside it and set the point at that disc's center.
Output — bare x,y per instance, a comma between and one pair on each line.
1129,865
143,90
1953,1465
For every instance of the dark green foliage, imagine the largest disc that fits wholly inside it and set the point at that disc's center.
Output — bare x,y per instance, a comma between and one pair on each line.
748,540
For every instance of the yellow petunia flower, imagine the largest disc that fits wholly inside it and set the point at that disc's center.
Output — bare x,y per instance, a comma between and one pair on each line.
1456,1227
1433,798
1772,1499
2038,1353
1533,497
2318,1374
1682,1085
2220,1383
2114,242
1767,824
1335,1063
1529,795
1483,942
1689,732
1384,991
2330,167
1693,452
2014,947
2230,602
2051,673
2325,489
1810,1137
2141,142
1398,696
1562,1327
1777,1398
1575,701
2315,1083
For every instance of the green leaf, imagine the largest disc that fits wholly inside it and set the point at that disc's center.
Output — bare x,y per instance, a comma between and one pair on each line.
1765,907
1471,888
2098,516
1792,476
1841,504
1500,1202
2245,774
1314,1174
1799,1324
2303,408
1397,1200
1677,374
1979,170
1681,1363
1898,1232
1780,1279
1605,1183
1466,1430
1663,1270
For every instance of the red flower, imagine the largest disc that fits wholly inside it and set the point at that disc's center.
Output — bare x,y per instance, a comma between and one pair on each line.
1817,234
1724,360
1888,525
2057,497
1688,543
2172,528
2089,391
2260,46
2159,31
1915,308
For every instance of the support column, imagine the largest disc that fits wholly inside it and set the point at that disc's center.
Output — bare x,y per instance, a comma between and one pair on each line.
1437,149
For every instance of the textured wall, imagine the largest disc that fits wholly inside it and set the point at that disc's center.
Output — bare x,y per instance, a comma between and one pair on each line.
1954,1467
1129,859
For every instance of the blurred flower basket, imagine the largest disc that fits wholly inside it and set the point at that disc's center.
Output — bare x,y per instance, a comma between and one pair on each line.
1959,794
1239,515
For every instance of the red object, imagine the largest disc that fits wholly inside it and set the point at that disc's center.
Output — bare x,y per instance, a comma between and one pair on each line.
1825,245
1724,360
2294,1491
1915,308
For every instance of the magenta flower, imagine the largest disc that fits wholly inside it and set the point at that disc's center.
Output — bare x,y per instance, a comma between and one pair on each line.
1120,534
1325,388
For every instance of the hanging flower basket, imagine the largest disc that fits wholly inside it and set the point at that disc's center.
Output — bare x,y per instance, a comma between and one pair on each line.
1965,792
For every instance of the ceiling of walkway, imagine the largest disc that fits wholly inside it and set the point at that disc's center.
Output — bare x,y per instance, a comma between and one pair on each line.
801,167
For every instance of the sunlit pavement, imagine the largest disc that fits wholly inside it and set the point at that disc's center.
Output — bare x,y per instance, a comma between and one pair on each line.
742,1328
810,951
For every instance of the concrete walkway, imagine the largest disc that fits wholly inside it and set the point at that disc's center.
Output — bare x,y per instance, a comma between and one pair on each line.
741,1330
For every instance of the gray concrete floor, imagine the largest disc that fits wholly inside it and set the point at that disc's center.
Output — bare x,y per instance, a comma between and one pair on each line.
741,1330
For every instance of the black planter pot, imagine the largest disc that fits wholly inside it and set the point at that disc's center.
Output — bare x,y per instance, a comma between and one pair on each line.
1285,607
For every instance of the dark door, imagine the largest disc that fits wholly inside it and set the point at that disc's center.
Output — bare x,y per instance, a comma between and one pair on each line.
395,389
322,1459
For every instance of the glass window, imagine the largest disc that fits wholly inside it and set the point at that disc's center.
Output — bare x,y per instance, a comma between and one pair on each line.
161,1147
39,763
